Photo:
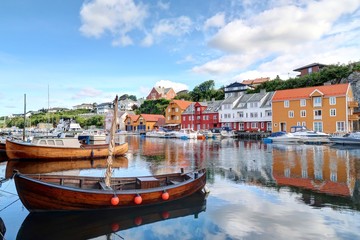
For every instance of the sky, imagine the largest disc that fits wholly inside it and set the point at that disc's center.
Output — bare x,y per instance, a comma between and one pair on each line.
62,53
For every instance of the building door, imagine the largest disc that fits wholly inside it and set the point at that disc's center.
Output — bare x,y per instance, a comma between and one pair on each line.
283,127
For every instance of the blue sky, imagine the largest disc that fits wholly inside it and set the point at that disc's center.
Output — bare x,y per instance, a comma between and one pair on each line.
89,51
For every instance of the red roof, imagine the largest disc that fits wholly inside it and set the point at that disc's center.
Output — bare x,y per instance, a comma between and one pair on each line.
301,93
182,104
133,117
152,117
256,81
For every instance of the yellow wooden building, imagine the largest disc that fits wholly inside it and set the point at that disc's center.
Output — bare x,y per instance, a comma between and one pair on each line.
173,113
327,108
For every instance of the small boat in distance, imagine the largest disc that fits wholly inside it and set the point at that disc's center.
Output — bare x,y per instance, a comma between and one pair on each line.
282,137
352,138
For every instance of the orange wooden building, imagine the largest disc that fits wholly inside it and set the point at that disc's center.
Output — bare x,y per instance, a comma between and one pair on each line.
327,108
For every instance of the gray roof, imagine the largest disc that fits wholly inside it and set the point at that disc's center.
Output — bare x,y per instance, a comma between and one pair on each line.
213,106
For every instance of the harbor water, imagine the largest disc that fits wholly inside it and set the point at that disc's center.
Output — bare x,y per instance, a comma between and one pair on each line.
257,191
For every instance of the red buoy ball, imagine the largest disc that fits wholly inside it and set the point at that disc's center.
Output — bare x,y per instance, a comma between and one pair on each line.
138,221
138,199
165,196
165,215
115,200
115,227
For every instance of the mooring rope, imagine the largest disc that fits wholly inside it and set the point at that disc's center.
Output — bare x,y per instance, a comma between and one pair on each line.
9,204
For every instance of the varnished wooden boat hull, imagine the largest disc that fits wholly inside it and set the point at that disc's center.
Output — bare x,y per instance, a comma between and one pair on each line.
63,193
92,224
52,166
15,150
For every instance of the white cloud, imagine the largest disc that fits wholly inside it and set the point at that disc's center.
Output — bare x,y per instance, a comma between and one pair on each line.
163,5
187,59
117,17
87,92
169,84
175,26
285,36
215,21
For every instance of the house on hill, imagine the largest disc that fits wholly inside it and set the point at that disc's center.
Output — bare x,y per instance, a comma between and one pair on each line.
161,92
253,83
310,68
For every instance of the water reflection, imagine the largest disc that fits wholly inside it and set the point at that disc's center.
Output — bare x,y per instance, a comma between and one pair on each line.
91,224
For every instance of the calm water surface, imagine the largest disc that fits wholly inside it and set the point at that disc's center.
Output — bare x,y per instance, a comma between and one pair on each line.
257,191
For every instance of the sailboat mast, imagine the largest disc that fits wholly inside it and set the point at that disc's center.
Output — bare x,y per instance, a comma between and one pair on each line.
24,117
111,144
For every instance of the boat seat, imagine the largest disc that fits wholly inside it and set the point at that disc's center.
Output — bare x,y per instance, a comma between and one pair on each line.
104,187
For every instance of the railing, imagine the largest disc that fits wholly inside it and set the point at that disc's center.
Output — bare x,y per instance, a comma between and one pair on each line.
353,117
353,104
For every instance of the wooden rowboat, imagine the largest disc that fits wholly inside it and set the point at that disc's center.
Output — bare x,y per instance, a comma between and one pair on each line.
101,224
24,150
68,193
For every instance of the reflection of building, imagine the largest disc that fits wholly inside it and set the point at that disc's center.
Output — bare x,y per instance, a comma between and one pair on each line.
313,168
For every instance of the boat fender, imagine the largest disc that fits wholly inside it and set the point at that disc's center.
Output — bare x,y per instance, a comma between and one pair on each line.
165,195
115,200
138,199
165,214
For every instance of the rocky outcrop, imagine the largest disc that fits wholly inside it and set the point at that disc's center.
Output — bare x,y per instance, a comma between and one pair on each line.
354,80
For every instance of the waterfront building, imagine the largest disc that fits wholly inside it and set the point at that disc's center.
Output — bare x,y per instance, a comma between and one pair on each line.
173,113
88,106
202,115
161,92
253,112
327,108
131,122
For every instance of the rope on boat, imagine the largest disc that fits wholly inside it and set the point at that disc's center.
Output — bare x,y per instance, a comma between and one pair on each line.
9,204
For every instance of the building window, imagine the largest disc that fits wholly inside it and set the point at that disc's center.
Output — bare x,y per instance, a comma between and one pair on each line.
169,109
332,112
168,117
318,126
269,126
254,125
302,102
184,118
262,125
241,126
310,70
297,123
317,101
303,124
302,113
291,114
286,104
340,126
317,114
332,100
240,114
176,109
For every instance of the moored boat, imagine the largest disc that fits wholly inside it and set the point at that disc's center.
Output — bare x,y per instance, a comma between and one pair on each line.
347,139
309,136
65,193
94,224
59,148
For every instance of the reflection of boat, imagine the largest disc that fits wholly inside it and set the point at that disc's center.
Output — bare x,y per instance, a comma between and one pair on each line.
2,229
46,166
92,224
59,192
59,148
347,139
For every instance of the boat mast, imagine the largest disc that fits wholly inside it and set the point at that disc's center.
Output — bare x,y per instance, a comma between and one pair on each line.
24,117
111,144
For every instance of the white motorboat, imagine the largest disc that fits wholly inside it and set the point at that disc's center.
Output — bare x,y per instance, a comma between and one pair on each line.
309,136
186,133
282,137
347,139
157,133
